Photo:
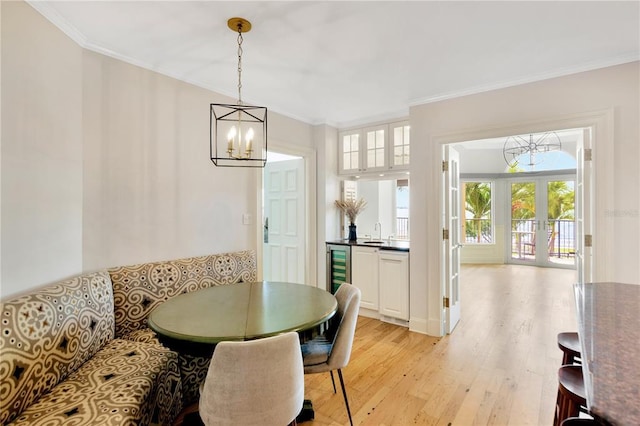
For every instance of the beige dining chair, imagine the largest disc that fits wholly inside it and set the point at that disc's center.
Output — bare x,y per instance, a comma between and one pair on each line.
332,350
255,382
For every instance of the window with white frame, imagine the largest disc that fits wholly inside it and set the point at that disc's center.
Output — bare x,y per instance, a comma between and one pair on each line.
478,212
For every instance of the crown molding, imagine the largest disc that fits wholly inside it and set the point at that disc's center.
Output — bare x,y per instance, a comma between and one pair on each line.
633,57
52,15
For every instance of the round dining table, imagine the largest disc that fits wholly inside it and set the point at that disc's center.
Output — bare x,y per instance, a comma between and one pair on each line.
194,322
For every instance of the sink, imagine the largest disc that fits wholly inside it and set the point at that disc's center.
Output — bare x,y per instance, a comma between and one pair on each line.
374,242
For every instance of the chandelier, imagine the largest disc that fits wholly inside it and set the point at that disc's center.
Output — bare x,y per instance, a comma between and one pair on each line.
527,148
238,133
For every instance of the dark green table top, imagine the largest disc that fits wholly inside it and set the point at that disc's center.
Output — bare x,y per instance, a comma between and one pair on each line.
242,311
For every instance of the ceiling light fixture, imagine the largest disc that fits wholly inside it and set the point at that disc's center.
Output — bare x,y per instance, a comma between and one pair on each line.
516,146
238,133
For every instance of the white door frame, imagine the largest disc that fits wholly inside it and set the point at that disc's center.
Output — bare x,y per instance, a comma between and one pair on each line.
601,124
310,222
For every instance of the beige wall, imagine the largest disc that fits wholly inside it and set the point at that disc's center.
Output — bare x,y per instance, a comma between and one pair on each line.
611,95
151,191
105,163
328,191
41,230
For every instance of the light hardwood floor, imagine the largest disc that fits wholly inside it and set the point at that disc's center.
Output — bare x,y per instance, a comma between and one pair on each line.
498,367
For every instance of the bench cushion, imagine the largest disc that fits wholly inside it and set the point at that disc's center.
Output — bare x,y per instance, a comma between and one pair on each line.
48,334
125,383
193,369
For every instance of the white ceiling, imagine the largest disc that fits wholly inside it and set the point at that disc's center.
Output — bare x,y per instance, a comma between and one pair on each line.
345,63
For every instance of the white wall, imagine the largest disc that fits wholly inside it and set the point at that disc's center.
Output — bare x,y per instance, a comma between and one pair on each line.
41,229
326,140
613,93
105,163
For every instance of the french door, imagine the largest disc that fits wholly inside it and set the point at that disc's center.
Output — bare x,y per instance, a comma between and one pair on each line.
542,221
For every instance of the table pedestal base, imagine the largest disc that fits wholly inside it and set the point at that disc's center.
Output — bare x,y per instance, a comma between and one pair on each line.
307,412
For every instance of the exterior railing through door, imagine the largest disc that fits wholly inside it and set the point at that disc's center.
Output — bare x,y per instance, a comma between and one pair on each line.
560,238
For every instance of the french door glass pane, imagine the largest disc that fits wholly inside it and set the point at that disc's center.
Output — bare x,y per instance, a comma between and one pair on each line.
561,221
523,221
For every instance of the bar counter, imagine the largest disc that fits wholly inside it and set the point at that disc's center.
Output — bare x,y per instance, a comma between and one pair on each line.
385,244
609,328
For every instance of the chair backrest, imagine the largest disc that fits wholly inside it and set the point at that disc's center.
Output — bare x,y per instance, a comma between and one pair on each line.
348,297
256,382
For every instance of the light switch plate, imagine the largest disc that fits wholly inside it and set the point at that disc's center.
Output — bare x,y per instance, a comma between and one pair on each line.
246,219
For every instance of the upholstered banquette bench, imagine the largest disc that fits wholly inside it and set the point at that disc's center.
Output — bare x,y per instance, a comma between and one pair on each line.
79,351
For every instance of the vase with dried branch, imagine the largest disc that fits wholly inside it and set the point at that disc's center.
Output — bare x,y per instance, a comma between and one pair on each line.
352,208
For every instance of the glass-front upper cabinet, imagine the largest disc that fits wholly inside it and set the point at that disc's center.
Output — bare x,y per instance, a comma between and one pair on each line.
349,152
374,149
399,146
375,154
363,150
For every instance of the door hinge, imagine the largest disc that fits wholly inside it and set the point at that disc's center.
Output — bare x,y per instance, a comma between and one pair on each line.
588,240
445,302
588,154
445,234
445,166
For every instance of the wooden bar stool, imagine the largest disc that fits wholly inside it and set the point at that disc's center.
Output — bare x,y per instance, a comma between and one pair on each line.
571,393
569,344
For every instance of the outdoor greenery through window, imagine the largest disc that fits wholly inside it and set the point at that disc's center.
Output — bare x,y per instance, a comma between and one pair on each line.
478,213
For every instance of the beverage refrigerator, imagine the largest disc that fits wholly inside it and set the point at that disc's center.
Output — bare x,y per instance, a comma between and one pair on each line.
338,265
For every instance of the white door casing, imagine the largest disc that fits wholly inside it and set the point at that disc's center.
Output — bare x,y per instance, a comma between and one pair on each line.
284,218
600,124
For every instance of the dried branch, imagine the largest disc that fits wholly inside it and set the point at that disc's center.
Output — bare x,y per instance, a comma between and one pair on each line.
351,208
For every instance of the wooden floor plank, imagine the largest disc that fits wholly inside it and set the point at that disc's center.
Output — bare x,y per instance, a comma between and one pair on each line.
498,367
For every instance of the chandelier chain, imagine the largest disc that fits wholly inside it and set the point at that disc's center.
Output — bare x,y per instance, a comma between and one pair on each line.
240,39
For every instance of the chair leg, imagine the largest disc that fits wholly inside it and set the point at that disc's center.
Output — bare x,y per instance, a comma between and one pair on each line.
344,392
333,382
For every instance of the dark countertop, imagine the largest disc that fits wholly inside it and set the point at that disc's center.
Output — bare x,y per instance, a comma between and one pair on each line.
396,245
609,329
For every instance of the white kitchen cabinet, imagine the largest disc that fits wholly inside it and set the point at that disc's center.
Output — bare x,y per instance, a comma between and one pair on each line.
363,150
399,144
375,149
393,273
383,278
364,275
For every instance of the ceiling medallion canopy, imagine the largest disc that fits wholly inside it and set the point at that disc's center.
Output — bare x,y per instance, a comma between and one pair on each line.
238,133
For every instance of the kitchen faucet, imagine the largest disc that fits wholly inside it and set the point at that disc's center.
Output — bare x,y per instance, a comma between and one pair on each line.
378,227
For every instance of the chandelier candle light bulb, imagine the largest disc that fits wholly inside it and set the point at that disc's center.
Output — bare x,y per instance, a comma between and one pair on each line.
249,139
231,136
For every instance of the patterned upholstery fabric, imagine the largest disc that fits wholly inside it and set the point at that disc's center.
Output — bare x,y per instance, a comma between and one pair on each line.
193,369
125,383
60,364
138,289
48,334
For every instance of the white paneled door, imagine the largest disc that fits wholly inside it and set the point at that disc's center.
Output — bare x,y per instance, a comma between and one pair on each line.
451,239
284,236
